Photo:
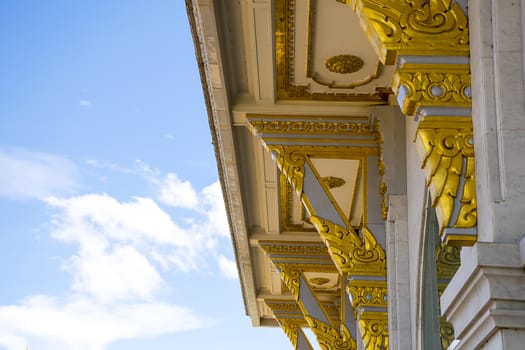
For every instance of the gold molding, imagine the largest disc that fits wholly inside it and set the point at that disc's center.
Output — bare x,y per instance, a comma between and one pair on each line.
413,27
448,160
297,248
307,127
383,188
284,53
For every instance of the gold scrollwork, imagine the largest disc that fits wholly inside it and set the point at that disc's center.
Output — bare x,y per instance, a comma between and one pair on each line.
329,338
447,260
446,331
416,27
374,330
344,64
433,85
351,253
448,159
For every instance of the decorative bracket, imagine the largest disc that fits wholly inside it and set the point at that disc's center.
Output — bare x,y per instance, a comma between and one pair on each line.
405,27
448,159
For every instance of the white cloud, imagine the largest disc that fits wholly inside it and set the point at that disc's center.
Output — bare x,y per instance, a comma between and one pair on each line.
84,103
35,175
177,193
12,342
228,267
119,242
123,273
84,324
99,214
213,202
124,249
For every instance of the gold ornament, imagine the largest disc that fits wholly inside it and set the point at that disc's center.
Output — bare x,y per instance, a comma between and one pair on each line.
319,281
333,182
344,64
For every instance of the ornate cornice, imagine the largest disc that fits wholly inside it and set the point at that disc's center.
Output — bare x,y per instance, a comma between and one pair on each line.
413,27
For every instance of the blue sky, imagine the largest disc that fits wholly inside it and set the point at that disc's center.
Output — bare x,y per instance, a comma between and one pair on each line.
113,232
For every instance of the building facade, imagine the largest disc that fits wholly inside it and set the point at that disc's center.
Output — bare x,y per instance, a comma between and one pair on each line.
372,160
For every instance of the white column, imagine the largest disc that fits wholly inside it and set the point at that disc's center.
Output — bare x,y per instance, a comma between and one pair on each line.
498,115
399,325
485,300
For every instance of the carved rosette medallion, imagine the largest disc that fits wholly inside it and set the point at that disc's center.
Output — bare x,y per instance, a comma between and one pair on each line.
344,64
